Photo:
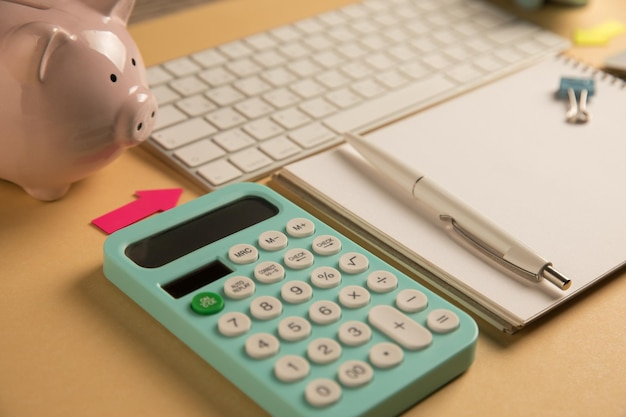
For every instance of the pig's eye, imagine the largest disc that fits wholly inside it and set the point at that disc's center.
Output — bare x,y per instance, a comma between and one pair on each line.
133,62
113,78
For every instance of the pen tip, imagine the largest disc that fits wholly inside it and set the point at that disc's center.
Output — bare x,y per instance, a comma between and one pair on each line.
556,278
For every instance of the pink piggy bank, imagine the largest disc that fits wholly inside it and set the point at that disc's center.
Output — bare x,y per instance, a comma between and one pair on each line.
74,91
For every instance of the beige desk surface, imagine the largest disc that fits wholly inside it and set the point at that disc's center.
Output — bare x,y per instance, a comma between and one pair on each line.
71,344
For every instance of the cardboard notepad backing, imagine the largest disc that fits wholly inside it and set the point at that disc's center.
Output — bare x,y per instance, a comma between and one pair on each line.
506,150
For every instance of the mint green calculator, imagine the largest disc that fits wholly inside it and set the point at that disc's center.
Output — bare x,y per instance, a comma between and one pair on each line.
301,319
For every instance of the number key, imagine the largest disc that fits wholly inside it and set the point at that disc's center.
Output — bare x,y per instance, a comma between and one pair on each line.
234,324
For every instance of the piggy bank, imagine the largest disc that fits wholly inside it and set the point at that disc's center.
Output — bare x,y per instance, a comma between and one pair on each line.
74,92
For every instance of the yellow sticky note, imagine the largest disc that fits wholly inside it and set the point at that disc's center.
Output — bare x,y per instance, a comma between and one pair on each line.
599,35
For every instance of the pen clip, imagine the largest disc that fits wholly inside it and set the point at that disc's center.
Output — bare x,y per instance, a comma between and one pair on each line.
473,243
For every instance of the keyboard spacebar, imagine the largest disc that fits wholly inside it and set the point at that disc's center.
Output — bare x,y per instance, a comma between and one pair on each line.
377,111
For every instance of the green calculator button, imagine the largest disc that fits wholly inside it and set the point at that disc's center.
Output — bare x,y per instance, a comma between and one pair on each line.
207,303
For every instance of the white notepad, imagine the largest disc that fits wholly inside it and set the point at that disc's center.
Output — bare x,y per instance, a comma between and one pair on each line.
506,150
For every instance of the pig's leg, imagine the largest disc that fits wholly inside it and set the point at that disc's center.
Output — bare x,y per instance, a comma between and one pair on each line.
48,193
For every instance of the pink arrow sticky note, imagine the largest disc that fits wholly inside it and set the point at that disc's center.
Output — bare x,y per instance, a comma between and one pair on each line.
147,203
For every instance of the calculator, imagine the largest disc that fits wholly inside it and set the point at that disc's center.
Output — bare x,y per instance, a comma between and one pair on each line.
297,316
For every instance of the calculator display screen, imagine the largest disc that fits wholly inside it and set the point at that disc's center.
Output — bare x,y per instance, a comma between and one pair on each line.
166,246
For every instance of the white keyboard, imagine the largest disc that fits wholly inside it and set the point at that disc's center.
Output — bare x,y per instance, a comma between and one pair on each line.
241,110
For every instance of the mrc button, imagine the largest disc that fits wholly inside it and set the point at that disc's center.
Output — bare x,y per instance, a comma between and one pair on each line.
243,253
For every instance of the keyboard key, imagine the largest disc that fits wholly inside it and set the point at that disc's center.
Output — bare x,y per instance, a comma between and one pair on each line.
195,105
280,148
199,152
233,140
311,135
219,172
181,66
262,129
225,118
157,75
188,86
290,118
168,115
250,160
183,133
224,96
209,58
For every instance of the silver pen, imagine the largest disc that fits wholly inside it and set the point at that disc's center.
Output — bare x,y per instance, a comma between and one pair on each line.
463,224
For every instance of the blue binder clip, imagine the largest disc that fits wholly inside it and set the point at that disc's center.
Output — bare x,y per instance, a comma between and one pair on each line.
577,90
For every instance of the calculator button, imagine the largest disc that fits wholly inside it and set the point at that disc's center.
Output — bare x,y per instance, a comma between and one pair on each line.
207,303
326,245
386,355
296,292
322,392
273,240
243,254
382,281
355,373
353,263
293,329
323,350
262,345
269,272
298,258
266,307
354,296
400,328
291,368
300,227
354,333
238,287
325,277
411,300
442,320
324,312
233,324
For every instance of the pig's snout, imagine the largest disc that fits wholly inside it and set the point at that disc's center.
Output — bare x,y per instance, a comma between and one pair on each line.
136,118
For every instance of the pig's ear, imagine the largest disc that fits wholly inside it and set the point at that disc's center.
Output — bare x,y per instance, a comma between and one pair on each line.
120,9
58,37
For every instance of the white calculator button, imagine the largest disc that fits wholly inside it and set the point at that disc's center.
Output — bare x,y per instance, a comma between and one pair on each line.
233,324
262,345
269,272
243,253
325,277
296,292
382,281
293,329
298,258
266,307
354,296
386,355
323,350
400,328
411,300
324,312
326,245
291,368
353,263
355,373
273,240
354,333
300,227
322,392
442,320
238,287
